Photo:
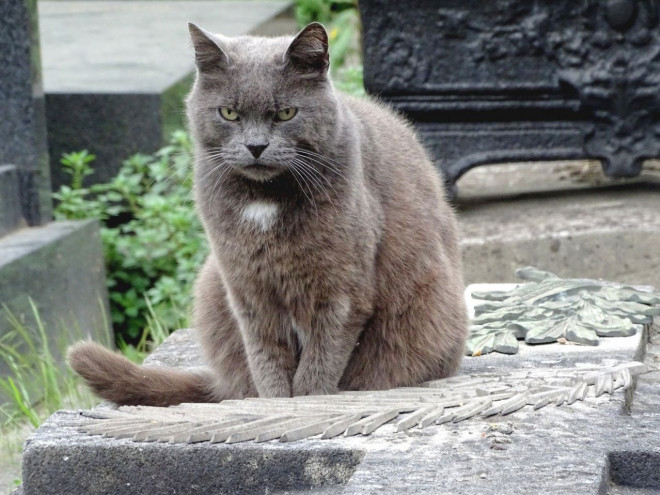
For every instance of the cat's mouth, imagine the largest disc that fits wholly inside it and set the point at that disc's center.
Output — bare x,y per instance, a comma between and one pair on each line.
260,171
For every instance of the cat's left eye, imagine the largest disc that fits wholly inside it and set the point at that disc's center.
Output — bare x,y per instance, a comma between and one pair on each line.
286,114
228,114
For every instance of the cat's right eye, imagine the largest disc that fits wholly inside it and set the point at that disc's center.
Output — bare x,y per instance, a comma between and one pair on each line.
286,114
228,114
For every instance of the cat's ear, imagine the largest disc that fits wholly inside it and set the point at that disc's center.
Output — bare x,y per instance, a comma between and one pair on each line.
309,50
209,56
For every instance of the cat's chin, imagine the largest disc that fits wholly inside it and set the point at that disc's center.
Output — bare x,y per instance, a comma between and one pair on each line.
259,172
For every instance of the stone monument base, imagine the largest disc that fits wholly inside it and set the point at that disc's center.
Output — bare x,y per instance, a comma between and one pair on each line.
604,444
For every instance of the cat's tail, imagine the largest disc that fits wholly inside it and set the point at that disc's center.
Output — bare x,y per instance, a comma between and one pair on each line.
113,377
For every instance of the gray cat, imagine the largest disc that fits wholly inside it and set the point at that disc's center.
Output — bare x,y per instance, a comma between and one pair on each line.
334,258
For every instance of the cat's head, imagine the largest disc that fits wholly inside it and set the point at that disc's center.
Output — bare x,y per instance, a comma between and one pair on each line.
259,104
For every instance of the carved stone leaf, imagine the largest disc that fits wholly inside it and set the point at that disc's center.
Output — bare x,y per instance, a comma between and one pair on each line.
490,306
614,320
570,329
589,312
523,327
614,327
506,313
625,308
492,296
550,308
561,305
487,339
458,398
533,274
629,294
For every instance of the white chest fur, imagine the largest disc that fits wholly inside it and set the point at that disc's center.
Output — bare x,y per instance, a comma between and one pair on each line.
260,214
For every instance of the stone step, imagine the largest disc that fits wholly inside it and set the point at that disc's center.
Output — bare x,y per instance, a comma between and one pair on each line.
115,73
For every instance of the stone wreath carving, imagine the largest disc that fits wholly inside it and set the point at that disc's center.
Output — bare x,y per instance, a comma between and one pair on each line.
550,309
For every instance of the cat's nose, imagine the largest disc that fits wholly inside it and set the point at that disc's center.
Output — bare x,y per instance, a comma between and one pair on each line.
256,149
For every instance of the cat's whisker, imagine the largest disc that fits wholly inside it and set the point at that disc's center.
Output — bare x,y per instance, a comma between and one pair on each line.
321,176
315,153
306,187
173,170
326,159
323,165
311,173
312,182
298,179
211,159
206,160
329,163
197,183
218,180
213,156
302,167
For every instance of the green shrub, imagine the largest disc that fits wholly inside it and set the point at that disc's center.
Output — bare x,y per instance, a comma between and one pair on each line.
323,11
342,20
152,237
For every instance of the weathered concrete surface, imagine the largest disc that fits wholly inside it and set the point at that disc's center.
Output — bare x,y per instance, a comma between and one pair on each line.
612,232
569,449
116,72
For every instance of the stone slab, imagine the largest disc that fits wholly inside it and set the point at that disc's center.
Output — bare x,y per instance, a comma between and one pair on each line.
582,448
116,72
59,267
110,47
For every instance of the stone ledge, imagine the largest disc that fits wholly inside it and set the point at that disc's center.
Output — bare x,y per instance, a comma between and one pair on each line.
567,449
62,461
149,49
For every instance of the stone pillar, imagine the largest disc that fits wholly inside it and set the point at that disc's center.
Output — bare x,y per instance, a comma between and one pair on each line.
22,124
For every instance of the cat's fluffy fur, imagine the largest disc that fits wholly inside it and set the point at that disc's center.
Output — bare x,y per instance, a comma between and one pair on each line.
335,262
